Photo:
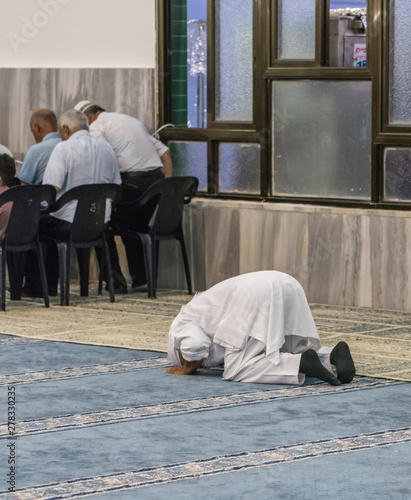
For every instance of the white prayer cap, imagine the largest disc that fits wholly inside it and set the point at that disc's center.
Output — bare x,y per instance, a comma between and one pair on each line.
83,105
5,151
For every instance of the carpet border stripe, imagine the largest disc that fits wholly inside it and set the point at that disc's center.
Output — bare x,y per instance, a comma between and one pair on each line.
78,421
224,464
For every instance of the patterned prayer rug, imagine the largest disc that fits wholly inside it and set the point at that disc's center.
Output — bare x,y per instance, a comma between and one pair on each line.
380,340
80,421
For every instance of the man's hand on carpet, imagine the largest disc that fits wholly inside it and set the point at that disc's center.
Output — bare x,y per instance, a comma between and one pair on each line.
186,368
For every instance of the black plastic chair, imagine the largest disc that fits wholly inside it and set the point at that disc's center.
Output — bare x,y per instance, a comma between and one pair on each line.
88,230
164,222
134,220
22,231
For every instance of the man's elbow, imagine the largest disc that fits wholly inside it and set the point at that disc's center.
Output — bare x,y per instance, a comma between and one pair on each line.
167,164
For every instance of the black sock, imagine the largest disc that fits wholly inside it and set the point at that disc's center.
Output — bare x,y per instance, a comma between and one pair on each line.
312,367
341,358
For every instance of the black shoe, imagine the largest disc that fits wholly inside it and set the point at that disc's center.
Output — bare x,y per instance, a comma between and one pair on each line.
35,294
138,283
119,289
139,288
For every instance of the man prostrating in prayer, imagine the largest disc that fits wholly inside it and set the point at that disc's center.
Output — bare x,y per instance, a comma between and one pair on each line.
260,327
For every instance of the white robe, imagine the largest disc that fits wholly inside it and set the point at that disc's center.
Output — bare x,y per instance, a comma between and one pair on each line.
257,324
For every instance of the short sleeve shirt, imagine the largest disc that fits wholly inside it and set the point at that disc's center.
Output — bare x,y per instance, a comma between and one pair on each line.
80,160
36,159
135,149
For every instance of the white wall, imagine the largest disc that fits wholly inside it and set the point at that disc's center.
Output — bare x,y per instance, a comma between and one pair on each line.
77,34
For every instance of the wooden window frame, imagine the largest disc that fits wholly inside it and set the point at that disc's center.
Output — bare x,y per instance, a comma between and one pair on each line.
266,69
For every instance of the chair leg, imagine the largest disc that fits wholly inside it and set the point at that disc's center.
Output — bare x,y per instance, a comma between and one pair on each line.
149,260
16,263
43,276
100,277
186,265
156,251
3,277
83,259
106,264
64,270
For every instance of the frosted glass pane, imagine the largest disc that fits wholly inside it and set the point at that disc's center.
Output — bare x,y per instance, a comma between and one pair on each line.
190,158
296,29
348,5
397,174
400,62
240,168
322,139
234,60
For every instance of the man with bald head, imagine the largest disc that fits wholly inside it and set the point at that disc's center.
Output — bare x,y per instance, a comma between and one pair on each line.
43,126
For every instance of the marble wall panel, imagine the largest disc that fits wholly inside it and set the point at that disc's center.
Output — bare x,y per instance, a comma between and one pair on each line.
256,241
356,273
173,276
196,246
291,248
22,91
391,257
346,257
263,236
324,262
221,243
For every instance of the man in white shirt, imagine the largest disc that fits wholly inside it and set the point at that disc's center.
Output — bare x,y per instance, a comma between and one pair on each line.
142,160
136,150
260,327
80,159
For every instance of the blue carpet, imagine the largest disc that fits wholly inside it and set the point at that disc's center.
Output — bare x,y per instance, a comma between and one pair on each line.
108,422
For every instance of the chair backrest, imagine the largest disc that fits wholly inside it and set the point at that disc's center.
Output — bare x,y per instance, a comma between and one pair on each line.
28,202
136,215
174,193
89,218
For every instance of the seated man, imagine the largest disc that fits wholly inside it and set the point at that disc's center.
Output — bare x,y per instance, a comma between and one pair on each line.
43,126
142,160
79,159
7,172
260,327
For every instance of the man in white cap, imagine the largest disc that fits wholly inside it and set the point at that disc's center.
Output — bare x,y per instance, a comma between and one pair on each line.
260,328
142,160
5,151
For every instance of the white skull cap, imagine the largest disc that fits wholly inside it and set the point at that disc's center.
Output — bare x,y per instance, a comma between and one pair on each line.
83,105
